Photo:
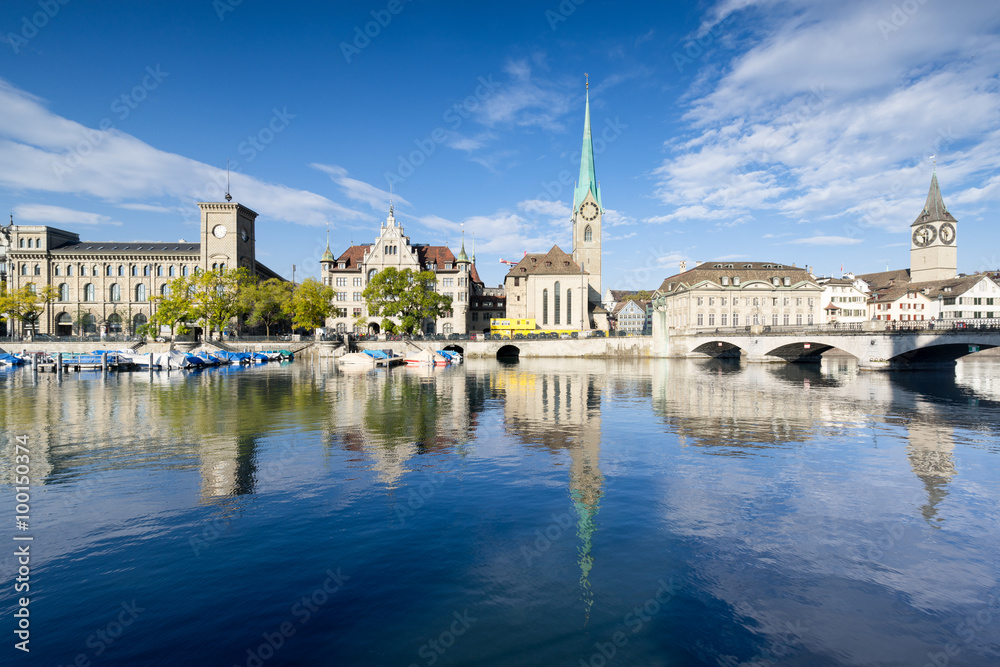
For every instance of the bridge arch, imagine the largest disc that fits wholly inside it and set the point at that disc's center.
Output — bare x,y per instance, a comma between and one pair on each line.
509,352
718,349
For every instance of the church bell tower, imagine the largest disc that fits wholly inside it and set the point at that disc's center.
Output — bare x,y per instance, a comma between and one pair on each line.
588,213
934,240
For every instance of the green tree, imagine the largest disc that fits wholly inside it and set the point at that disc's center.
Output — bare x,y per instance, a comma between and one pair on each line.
311,304
27,303
406,296
174,307
268,302
217,296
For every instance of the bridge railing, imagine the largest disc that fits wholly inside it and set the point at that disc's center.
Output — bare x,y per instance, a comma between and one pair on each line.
948,325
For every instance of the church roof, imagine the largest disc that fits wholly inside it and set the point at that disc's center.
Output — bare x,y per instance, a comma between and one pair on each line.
934,208
554,262
117,248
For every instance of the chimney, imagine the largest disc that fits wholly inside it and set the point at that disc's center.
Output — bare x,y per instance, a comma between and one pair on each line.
682,267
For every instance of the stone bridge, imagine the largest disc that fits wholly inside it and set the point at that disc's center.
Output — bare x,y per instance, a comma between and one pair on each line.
874,346
628,346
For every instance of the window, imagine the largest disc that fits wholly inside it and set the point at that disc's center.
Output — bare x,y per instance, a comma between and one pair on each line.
357,296
63,292
810,318
722,319
57,270
121,270
774,319
517,281
756,301
736,319
447,282
798,302
109,270
115,293
545,306
140,292
20,243
134,270
38,269
736,300
811,302
774,301
69,270
341,296
699,300
447,266
569,305
165,291
786,320
24,269
172,272
798,319
357,282
145,270
711,300
184,271
711,319
556,298
701,319
588,234
88,292
371,274
159,272
31,289
475,317
357,312
341,282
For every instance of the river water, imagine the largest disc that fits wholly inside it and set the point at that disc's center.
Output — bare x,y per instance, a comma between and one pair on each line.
547,512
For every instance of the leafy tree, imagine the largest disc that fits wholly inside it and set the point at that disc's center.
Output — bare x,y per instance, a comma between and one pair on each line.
406,296
311,304
217,296
268,302
27,303
176,306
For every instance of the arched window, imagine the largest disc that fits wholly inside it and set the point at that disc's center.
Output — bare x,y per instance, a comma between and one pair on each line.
94,271
140,292
38,269
184,271
69,270
145,270
569,306
555,304
20,243
588,234
115,292
139,320
88,292
448,329
31,288
115,323
83,270
165,291
24,269
371,274
121,269
545,306
173,271
159,271
63,292
57,270
89,324
222,267
135,270
109,270
215,266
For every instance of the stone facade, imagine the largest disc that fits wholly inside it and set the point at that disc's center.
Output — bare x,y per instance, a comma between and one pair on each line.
350,273
725,294
106,286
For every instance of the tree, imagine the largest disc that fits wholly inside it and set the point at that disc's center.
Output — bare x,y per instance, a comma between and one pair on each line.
268,302
217,296
407,296
311,304
27,304
174,307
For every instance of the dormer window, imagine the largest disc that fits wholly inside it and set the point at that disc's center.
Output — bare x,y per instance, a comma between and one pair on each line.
341,265
787,281
736,281
775,281
725,281
748,266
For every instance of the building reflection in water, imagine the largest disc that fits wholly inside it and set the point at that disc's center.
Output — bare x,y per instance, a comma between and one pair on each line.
560,410
930,447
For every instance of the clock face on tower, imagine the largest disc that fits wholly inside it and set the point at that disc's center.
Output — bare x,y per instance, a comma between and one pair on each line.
947,233
219,231
589,211
923,236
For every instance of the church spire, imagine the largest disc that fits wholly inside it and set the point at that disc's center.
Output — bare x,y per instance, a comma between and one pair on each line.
588,178
934,208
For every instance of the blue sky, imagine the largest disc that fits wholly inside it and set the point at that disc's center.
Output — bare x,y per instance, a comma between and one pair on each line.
785,131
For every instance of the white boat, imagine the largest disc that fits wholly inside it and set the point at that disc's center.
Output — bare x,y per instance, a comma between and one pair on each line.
425,358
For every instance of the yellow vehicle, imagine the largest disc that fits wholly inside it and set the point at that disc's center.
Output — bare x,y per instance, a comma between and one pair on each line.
515,328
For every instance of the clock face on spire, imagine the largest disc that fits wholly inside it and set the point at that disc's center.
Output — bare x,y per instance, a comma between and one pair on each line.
947,233
924,235
589,211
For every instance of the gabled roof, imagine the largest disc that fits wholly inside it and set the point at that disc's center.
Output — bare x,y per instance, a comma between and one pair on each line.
948,287
353,256
116,248
624,304
554,262
435,254
885,278
934,208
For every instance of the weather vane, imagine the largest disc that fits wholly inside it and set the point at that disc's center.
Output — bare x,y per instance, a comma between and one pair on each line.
588,80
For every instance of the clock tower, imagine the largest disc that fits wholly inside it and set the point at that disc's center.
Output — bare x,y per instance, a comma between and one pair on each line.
227,236
934,240
588,213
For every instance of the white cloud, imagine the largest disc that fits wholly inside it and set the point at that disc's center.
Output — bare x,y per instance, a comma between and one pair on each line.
58,215
376,198
525,100
43,152
824,114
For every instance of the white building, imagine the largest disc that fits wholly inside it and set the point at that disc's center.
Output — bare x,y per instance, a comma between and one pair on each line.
845,300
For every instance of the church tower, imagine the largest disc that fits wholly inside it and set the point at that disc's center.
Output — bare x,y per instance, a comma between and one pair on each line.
933,240
588,213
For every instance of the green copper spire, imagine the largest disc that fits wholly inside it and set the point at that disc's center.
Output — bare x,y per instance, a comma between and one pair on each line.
327,256
588,178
